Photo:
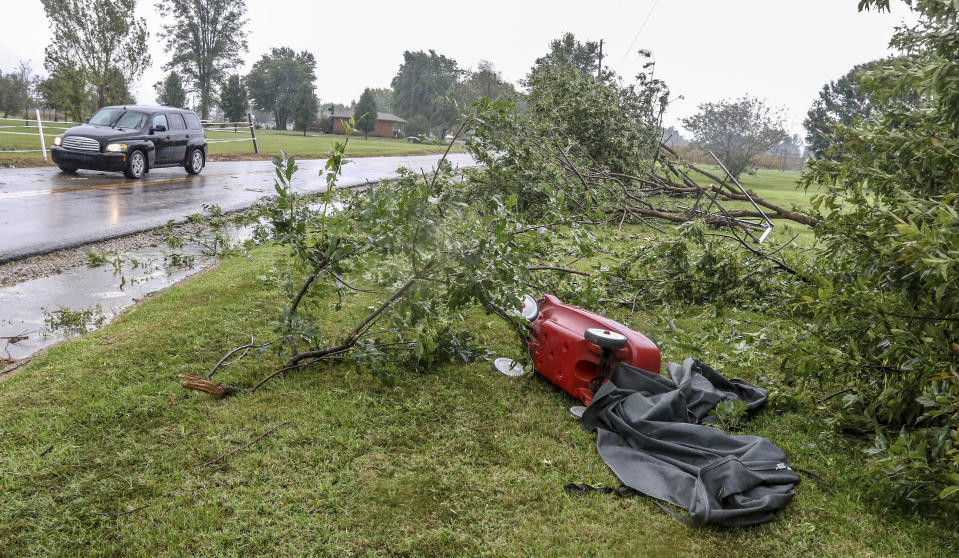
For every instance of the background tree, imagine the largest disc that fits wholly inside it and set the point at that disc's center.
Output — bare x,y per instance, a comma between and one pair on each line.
101,39
16,89
445,110
840,103
304,106
170,91
206,38
421,79
618,125
487,82
116,91
65,90
736,130
233,99
365,113
569,52
275,79
384,99
417,126
7,97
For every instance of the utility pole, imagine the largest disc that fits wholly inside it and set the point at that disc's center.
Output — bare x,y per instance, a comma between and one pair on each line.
599,70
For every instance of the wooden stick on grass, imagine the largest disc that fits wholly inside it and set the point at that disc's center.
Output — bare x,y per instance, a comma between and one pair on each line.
250,443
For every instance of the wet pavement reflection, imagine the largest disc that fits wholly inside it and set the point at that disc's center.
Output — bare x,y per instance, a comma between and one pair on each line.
42,209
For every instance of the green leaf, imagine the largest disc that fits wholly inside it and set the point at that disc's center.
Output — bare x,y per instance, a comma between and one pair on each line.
948,491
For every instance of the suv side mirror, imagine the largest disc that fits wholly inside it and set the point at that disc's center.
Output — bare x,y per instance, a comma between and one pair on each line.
87,121
158,128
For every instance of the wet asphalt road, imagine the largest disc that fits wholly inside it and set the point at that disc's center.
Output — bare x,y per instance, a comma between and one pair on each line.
43,210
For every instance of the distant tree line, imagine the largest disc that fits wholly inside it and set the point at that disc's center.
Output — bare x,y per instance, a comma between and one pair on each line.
207,40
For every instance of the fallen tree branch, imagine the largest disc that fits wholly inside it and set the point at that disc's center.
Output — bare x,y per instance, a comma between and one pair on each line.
243,348
244,446
328,353
202,384
563,269
12,368
353,335
783,212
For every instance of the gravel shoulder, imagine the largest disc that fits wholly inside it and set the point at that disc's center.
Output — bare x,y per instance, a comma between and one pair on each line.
53,263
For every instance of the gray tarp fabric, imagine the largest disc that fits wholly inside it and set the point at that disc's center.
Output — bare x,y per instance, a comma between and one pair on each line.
648,432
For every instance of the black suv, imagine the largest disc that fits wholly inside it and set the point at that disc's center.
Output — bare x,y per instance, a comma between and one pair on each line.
133,139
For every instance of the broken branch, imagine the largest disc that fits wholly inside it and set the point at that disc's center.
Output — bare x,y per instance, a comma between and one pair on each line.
202,384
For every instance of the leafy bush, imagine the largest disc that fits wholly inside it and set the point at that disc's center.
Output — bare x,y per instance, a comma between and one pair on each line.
417,126
695,268
883,311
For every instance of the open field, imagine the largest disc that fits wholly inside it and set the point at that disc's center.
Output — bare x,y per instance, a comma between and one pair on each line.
269,141
312,146
100,448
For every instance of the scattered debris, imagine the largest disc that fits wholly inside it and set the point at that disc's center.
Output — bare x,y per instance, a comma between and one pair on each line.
21,364
74,321
15,338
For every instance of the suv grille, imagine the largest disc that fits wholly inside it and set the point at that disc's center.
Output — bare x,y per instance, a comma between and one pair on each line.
81,143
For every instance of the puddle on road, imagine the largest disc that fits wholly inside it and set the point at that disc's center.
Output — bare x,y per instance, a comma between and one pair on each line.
25,307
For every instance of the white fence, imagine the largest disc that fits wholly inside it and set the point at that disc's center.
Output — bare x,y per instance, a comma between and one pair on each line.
238,128
33,127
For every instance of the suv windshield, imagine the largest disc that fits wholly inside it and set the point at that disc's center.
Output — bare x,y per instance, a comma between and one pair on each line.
118,118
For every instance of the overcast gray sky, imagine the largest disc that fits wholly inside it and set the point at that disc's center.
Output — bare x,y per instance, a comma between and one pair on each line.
705,50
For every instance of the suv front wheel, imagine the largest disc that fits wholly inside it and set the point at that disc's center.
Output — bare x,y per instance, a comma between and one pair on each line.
136,165
194,162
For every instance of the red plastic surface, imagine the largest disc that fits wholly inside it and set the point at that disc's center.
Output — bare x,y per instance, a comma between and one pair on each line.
564,357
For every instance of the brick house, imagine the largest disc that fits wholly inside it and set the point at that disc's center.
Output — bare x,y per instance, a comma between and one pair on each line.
386,123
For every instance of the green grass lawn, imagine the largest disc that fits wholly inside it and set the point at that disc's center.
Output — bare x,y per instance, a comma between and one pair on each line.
460,461
270,143
313,146
13,138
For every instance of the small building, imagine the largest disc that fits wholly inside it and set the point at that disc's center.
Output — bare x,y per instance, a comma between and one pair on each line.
387,125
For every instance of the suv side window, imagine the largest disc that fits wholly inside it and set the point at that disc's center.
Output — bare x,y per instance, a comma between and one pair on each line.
192,122
160,120
176,122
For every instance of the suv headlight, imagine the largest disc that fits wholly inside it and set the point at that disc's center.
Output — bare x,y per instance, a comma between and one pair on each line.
116,147
58,140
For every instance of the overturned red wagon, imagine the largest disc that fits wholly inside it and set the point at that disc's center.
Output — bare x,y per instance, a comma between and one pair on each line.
576,349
